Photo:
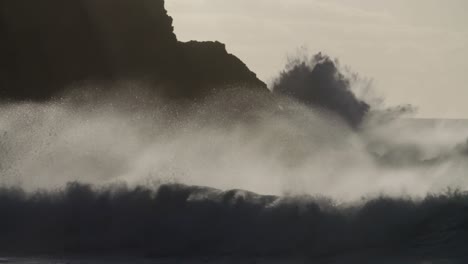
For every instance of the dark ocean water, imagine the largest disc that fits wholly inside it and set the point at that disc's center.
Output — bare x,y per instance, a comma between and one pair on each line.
323,260
183,224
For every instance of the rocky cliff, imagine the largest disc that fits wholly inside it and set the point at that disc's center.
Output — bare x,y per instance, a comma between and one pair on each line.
49,45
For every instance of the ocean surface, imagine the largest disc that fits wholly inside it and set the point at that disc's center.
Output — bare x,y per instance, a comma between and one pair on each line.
357,258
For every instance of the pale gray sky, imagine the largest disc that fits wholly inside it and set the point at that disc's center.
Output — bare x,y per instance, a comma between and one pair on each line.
416,51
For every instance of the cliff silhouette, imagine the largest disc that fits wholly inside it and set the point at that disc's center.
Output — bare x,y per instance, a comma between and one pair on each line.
48,46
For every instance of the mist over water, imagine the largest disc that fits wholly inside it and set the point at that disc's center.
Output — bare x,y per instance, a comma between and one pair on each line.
117,139
237,174
269,146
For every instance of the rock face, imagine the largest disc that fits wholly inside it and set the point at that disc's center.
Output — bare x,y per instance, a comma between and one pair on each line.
49,45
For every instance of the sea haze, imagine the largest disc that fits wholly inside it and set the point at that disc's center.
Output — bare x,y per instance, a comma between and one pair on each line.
121,144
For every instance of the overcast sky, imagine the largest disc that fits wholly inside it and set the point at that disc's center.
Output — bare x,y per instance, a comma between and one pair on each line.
416,51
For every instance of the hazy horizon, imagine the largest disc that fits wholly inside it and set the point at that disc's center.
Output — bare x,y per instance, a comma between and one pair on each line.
121,139
414,52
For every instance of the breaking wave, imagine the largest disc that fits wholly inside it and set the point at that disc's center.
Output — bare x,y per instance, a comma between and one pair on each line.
177,220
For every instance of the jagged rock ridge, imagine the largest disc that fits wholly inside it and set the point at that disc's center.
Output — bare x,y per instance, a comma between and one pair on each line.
50,45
